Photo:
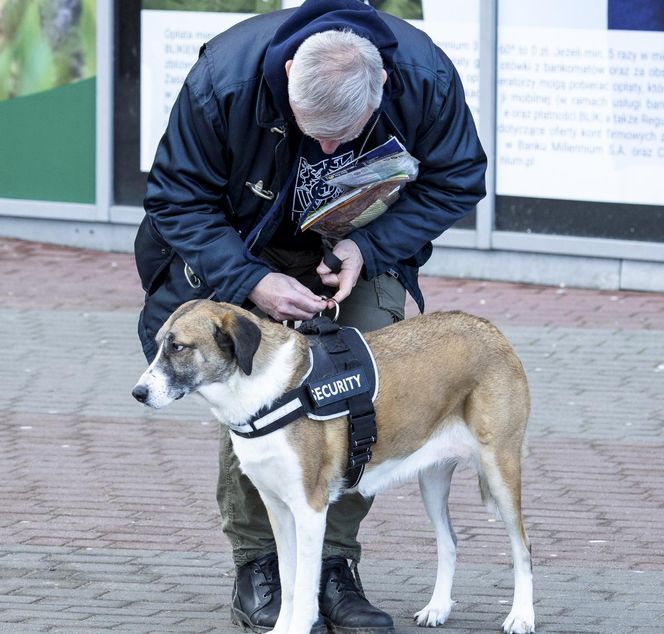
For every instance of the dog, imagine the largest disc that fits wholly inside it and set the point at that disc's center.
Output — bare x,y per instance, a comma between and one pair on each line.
452,390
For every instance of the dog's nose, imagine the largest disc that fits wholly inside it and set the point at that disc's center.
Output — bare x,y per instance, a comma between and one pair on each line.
140,393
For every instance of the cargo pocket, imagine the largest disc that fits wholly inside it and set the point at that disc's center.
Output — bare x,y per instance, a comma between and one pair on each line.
391,296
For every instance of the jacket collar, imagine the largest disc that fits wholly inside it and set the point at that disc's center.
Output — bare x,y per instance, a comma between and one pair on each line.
395,84
267,113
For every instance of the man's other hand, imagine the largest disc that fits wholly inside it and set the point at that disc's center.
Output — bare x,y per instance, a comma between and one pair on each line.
283,297
351,266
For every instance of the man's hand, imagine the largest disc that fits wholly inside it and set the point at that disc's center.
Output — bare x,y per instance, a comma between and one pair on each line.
283,297
351,266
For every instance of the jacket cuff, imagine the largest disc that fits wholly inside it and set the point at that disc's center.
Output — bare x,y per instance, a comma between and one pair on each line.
248,284
370,268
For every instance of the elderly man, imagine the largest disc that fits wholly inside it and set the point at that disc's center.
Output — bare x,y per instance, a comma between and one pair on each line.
271,105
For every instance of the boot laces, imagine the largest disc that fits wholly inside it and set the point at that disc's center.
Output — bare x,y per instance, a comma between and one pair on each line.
346,578
270,569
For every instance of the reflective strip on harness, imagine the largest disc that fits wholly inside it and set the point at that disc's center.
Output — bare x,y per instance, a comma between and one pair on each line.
277,414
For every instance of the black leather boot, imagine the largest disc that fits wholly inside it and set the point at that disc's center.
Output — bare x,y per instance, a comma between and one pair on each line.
257,596
343,605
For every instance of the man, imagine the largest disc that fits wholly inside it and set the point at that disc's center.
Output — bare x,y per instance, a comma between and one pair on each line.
271,105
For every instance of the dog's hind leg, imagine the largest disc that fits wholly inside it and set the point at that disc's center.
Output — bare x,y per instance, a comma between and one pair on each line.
435,488
500,471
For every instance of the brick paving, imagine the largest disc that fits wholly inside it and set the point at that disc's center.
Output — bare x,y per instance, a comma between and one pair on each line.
109,521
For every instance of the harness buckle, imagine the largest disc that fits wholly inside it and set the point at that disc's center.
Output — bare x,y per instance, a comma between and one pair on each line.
358,459
362,443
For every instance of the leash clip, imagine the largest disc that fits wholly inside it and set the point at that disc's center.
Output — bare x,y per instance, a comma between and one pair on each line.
337,308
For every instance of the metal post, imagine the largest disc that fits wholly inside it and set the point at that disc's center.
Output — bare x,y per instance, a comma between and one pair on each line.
487,124
104,110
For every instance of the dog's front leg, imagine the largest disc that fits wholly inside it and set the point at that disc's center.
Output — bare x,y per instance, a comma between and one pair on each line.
310,531
283,528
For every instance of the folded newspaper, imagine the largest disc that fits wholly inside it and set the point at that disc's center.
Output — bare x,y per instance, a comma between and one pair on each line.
370,184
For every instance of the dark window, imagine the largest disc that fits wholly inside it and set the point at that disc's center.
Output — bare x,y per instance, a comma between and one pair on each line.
129,181
617,221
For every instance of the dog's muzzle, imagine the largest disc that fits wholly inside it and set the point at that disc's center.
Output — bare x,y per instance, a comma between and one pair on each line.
142,394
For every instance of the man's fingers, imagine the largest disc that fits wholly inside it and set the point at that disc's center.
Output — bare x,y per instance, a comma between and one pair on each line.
330,279
323,269
294,313
283,297
347,264
346,284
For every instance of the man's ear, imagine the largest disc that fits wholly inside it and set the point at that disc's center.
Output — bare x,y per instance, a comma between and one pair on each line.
243,337
287,66
384,76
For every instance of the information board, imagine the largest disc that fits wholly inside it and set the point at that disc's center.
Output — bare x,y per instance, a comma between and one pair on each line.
170,42
455,27
580,112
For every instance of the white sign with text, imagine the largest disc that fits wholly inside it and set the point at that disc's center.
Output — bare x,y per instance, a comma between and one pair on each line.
581,114
170,41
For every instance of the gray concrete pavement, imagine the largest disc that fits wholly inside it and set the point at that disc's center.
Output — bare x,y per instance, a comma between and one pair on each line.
109,521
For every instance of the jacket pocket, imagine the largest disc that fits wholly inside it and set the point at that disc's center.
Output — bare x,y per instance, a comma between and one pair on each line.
153,256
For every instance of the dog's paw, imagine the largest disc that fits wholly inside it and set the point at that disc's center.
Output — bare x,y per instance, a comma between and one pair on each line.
432,615
519,622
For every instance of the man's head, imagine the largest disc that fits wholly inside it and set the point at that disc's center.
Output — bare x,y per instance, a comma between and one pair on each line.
335,82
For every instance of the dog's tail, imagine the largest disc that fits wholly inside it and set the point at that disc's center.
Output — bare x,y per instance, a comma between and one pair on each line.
487,498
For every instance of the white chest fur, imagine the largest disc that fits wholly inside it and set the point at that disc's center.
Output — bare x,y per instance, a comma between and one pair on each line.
454,443
236,400
272,465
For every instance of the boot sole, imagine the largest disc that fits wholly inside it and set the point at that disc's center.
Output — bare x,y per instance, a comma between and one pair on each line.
242,620
336,629
238,617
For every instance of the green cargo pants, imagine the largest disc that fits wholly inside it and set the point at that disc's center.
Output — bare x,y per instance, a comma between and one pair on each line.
372,304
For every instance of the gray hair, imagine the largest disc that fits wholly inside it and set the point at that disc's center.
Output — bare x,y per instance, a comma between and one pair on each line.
335,80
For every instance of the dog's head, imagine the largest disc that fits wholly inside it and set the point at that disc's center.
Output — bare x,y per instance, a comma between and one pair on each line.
201,343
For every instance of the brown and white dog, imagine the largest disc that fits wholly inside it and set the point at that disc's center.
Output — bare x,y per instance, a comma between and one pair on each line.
451,390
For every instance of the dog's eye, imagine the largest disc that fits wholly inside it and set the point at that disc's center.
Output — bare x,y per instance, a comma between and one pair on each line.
177,347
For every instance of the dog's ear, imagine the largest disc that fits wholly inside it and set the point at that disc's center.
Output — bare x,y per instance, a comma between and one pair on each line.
244,337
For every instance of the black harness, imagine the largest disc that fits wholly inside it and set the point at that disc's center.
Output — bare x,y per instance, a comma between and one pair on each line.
342,381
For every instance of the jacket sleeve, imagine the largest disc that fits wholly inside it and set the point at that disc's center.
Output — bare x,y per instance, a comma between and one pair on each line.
186,191
450,183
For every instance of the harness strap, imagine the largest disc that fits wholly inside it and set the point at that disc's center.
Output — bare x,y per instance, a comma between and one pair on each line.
287,408
362,434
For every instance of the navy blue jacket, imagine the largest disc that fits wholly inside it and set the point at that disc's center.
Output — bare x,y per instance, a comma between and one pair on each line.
231,125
